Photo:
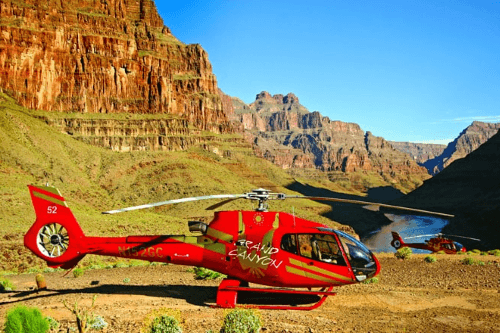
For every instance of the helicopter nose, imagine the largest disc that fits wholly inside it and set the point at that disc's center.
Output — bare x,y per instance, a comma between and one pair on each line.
377,263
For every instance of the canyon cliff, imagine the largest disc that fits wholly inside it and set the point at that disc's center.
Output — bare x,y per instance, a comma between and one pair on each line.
286,133
421,152
468,188
469,140
105,57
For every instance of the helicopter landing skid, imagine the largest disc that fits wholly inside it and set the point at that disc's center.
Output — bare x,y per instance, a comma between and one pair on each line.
227,296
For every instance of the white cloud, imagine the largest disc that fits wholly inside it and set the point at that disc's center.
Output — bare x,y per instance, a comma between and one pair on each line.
490,119
438,141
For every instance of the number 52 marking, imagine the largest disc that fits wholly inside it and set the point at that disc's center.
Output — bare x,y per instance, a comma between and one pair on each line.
52,210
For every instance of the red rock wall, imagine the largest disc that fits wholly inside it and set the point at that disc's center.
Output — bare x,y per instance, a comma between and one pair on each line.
100,56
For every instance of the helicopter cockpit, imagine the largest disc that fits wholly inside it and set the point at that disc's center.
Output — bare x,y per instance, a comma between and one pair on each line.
459,247
325,248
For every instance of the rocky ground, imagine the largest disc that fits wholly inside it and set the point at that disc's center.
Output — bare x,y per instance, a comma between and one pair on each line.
411,296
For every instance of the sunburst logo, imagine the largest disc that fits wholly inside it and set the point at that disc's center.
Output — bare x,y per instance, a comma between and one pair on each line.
258,219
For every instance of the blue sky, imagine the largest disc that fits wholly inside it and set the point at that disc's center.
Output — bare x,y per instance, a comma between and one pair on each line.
418,71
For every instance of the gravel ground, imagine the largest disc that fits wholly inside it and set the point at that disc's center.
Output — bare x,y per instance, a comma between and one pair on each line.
411,296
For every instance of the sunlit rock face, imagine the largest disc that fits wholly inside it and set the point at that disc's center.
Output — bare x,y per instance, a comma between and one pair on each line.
104,57
290,136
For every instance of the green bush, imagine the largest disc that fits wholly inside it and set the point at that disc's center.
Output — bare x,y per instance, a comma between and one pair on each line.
468,261
163,320
165,324
371,280
97,323
202,273
430,259
494,253
241,321
6,285
120,264
77,272
403,253
22,319
53,324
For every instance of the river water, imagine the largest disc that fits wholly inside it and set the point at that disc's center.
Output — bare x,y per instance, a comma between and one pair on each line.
406,226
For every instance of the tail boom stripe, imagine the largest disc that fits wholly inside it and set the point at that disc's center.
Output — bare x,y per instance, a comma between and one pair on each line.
49,198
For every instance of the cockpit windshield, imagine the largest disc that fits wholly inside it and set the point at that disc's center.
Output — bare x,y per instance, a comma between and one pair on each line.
458,246
360,257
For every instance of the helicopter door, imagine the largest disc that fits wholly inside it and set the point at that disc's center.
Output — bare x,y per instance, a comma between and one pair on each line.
319,255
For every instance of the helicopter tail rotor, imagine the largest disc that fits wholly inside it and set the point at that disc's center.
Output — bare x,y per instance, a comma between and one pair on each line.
397,242
56,236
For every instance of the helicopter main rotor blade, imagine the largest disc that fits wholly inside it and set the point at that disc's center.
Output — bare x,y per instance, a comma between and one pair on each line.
422,236
222,203
175,201
359,202
462,237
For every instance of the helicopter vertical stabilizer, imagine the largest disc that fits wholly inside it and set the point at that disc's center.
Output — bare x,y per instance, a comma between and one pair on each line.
397,242
55,225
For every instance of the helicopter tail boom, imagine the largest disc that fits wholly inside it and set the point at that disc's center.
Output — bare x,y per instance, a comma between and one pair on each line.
56,236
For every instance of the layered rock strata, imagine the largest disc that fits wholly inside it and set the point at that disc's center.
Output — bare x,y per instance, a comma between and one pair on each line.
289,135
98,56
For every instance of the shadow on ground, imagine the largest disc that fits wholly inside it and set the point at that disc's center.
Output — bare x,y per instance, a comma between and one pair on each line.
195,295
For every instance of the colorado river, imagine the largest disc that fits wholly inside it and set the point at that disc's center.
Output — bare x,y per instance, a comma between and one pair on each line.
406,226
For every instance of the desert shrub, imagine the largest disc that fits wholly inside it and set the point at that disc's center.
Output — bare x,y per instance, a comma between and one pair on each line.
126,280
97,323
430,259
162,321
371,280
403,253
84,316
165,324
120,264
22,319
494,252
441,252
53,324
468,261
460,253
476,251
481,263
202,273
77,272
241,321
136,262
6,284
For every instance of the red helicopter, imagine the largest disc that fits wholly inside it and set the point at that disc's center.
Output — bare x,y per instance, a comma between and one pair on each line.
435,244
274,249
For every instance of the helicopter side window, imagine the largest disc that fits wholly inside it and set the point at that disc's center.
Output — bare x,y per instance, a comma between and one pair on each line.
289,243
322,247
305,245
